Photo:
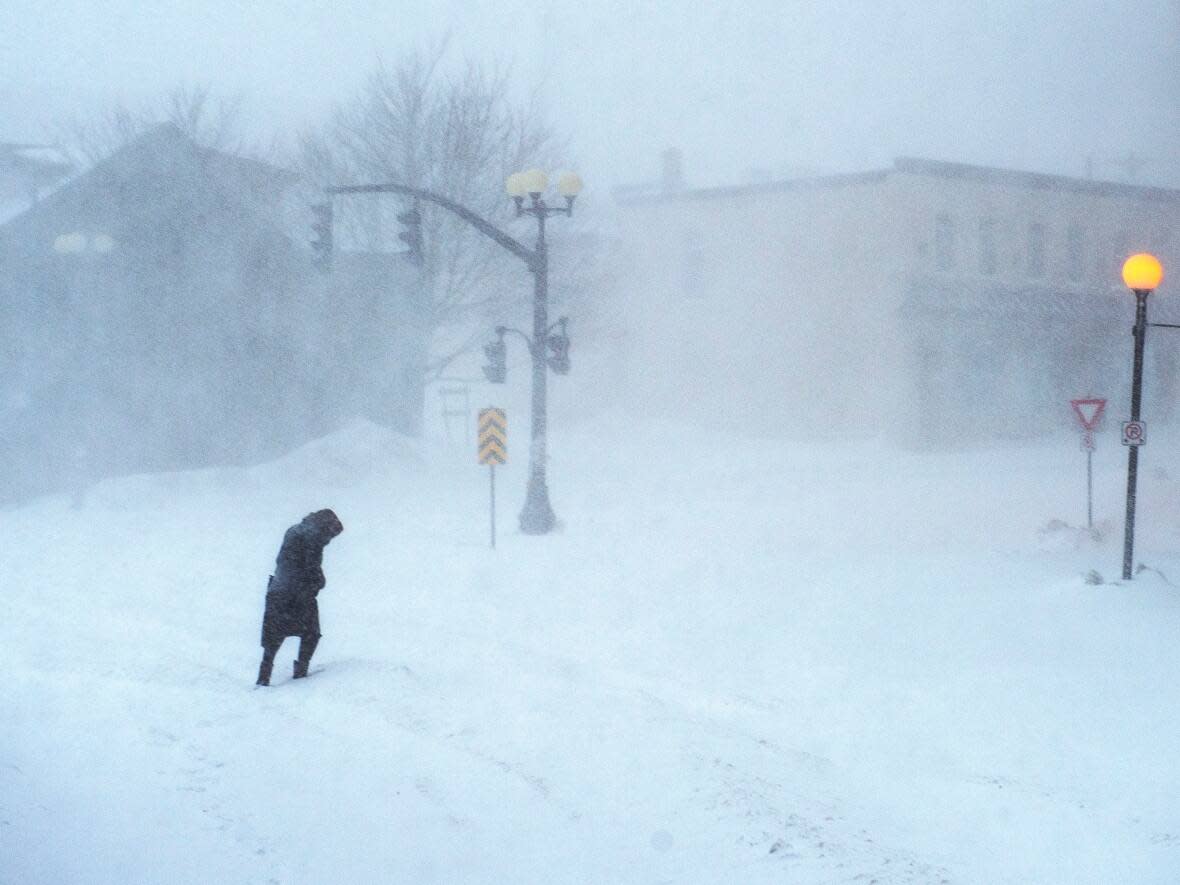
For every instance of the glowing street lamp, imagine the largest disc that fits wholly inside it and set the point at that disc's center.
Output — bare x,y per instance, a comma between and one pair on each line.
537,517
1142,273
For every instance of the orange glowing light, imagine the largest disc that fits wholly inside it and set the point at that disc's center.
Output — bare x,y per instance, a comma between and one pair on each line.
1142,272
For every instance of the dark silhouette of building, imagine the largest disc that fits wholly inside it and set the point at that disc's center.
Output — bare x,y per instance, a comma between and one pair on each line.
156,313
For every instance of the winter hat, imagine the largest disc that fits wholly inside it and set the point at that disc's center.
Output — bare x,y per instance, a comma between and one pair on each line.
327,520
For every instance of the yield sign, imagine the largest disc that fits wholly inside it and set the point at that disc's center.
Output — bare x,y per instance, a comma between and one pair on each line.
1089,411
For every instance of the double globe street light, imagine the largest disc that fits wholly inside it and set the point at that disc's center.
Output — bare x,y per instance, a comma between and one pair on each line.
547,350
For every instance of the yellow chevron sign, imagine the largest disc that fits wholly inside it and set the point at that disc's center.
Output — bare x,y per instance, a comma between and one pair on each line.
493,437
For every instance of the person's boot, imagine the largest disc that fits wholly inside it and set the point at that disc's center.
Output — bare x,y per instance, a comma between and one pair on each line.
307,646
268,662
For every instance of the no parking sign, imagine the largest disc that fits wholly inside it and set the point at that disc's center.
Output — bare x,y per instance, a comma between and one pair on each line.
1134,433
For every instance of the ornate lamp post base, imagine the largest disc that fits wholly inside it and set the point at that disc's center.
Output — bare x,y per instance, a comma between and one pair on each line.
537,517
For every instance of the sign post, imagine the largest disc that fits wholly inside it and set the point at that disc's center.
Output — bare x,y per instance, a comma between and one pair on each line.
1089,415
493,450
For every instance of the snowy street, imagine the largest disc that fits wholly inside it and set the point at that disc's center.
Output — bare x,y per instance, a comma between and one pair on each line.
575,443
774,662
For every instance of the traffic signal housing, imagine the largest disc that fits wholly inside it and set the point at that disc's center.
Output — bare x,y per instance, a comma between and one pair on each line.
411,220
322,244
496,371
559,350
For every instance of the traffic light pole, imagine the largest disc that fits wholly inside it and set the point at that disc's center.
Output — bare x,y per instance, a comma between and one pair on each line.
480,224
537,517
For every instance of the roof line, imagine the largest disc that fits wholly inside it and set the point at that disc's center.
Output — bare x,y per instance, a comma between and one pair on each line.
911,166
1031,180
741,190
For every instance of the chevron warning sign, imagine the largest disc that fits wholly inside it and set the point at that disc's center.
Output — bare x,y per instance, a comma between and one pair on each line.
493,437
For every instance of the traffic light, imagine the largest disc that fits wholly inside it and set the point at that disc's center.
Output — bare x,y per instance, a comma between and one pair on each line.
559,348
412,235
322,244
496,370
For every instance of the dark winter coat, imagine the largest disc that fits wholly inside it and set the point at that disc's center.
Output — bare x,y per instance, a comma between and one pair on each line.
291,607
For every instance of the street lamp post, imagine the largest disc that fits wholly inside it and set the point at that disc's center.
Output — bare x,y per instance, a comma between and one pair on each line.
537,517
1142,273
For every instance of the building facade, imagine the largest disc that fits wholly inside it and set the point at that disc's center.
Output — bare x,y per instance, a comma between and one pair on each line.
935,303
156,314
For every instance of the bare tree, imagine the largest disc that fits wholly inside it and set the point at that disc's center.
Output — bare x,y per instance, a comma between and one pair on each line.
208,120
458,131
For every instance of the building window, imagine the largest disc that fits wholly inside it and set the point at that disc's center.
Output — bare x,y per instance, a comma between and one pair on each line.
1075,252
944,242
1111,253
988,260
1101,258
693,265
1036,249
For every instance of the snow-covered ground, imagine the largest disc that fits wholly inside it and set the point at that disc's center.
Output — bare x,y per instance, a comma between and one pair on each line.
739,661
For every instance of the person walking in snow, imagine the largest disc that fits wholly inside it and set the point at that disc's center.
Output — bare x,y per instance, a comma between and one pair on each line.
291,606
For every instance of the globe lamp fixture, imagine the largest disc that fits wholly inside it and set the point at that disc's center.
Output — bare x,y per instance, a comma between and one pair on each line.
1143,272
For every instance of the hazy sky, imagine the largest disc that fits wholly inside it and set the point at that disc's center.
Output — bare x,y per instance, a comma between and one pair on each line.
833,85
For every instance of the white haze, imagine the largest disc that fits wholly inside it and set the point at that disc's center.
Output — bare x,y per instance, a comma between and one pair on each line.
749,654
773,85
